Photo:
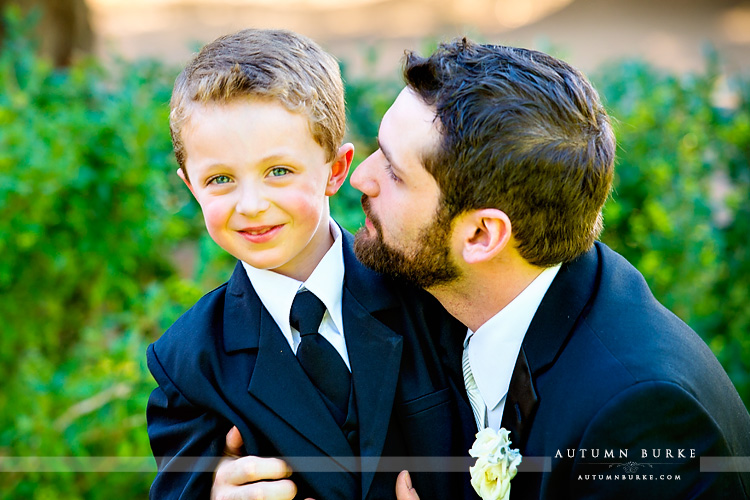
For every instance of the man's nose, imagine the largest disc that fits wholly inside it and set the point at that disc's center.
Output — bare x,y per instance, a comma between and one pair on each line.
362,178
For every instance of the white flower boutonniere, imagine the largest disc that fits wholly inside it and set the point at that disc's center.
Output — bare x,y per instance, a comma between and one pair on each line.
496,464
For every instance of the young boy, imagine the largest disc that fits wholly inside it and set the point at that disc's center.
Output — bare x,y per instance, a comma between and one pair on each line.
310,355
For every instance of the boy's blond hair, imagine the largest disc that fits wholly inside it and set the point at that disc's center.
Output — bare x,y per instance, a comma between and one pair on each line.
274,64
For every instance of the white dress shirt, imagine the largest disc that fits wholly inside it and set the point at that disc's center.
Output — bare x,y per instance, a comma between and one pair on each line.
277,292
494,347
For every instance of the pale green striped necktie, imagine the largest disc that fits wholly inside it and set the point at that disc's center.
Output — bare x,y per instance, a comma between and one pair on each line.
475,398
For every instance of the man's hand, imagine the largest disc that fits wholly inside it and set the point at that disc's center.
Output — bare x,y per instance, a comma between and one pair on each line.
404,489
247,478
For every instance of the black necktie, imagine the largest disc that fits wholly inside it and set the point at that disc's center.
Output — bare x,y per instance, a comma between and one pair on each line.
318,357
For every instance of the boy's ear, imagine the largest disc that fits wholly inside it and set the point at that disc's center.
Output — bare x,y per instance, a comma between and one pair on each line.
181,175
482,234
340,168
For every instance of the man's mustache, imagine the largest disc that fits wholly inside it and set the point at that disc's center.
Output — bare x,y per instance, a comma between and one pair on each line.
365,200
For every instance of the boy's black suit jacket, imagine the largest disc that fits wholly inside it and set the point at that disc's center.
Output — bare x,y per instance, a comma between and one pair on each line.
604,366
224,363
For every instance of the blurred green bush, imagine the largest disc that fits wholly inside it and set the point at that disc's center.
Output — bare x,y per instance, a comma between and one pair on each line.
102,247
680,211
90,214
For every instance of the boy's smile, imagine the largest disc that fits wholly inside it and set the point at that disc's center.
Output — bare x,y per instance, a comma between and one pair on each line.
262,183
260,234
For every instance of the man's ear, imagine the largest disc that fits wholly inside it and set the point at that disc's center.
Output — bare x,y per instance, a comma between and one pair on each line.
181,175
482,234
340,168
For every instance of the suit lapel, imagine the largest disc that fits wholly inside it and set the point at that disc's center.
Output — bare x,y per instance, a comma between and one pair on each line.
374,353
241,313
450,340
521,402
563,306
277,380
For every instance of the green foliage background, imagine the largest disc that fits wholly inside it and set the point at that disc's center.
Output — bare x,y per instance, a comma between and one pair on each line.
102,247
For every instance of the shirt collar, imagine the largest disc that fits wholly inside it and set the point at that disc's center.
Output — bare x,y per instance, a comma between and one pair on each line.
495,345
277,291
327,280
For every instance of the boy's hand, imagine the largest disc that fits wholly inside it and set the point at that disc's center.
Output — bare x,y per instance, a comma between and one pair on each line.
248,478
404,489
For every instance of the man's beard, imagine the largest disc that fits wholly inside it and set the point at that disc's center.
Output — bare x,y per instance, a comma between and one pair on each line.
429,266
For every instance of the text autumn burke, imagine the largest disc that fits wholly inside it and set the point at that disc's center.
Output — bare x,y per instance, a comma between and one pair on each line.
625,453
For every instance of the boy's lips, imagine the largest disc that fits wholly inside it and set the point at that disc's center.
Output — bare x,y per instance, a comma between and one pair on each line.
260,234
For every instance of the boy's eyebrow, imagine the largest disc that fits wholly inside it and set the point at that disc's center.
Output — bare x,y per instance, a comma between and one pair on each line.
276,157
281,157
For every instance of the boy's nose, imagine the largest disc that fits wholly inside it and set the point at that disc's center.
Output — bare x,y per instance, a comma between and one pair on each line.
362,180
251,201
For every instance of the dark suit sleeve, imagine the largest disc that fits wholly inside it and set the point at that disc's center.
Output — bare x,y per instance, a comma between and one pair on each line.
185,439
653,416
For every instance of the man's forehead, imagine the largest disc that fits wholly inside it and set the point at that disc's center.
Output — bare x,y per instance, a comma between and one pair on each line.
409,126
409,106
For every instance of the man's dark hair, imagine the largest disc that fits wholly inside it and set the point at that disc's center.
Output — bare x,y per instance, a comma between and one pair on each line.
522,132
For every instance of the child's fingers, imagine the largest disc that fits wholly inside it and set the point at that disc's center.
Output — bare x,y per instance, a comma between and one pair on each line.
275,490
250,469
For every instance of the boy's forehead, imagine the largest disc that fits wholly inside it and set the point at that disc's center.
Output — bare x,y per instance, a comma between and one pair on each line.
245,130
226,105
239,105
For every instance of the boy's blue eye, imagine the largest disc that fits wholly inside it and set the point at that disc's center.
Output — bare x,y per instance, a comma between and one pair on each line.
220,179
278,171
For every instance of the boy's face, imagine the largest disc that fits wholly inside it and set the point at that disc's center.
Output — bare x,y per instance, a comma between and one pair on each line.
262,181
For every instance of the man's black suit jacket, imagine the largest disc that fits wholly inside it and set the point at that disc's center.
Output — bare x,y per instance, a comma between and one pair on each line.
604,366
224,363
